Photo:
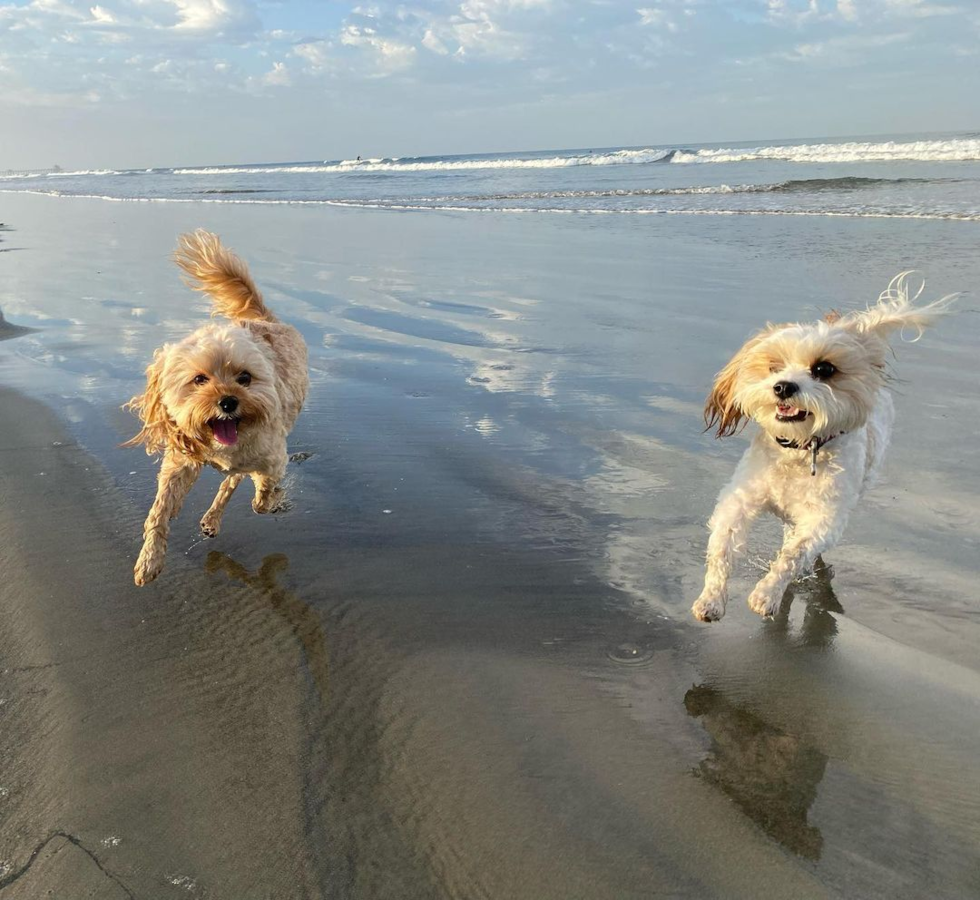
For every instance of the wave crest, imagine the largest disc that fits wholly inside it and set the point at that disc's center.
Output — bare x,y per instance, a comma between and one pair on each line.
955,150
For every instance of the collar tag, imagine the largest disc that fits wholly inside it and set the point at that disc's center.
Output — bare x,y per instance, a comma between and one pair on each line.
813,445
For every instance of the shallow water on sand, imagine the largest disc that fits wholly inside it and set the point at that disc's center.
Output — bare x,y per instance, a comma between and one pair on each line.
462,664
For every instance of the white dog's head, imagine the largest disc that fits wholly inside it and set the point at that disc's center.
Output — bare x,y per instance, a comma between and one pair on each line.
820,379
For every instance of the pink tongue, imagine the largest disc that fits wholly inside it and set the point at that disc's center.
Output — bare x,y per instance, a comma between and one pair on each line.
225,431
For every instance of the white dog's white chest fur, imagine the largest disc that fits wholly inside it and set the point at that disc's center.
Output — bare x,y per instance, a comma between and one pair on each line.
846,466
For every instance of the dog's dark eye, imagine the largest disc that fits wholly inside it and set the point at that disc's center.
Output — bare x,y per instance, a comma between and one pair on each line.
823,370
244,379
200,379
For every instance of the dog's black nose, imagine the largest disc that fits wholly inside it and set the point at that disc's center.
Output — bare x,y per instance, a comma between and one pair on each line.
782,389
230,404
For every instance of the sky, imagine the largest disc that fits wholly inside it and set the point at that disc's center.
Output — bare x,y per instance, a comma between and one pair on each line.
136,83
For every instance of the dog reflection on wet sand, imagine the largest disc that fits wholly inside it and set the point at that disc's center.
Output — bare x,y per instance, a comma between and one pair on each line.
226,396
819,626
772,776
301,618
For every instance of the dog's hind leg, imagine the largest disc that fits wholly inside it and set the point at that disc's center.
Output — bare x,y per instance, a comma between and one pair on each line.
211,521
176,477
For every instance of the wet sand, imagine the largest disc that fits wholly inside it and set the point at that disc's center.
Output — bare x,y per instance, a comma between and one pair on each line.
462,665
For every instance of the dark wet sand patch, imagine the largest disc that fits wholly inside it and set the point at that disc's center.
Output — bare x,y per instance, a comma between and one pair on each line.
9,330
160,733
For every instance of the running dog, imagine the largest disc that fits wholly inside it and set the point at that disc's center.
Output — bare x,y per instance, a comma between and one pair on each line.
819,393
225,396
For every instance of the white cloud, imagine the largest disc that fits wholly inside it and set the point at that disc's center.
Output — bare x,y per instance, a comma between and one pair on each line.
840,50
318,55
209,15
798,13
390,55
480,28
919,9
790,13
431,42
101,15
657,18
278,76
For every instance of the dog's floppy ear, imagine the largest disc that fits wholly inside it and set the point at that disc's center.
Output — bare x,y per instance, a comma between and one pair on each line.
721,410
159,431
895,311
151,411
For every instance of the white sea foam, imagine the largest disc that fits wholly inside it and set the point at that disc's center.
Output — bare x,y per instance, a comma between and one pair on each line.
936,150
954,150
396,206
15,176
618,157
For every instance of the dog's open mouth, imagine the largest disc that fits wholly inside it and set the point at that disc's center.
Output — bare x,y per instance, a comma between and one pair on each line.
225,431
790,413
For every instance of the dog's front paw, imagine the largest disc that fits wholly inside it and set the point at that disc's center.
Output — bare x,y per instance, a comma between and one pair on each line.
764,601
149,564
270,502
210,525
709,607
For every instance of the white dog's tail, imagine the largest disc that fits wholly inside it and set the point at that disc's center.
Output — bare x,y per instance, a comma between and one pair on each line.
896,310
216,271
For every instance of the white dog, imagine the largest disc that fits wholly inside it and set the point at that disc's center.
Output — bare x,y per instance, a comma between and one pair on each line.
819,394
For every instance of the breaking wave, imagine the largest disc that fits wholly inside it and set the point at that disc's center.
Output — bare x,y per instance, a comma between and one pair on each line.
447,164
960,149
954,150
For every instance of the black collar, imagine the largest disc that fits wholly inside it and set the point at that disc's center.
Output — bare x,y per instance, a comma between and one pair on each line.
813,445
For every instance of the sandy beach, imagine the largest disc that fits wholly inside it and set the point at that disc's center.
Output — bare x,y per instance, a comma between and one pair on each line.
462,664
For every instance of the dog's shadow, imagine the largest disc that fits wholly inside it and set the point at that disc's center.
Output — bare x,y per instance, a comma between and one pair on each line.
302,619
772,776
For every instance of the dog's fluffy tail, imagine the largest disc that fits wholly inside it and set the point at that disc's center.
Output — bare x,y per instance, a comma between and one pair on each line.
216,271
896,310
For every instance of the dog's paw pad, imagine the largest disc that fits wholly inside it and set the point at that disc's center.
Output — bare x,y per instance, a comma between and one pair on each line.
708,609
764,604
147,567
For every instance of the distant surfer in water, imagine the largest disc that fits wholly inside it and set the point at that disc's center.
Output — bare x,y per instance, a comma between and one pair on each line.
358,158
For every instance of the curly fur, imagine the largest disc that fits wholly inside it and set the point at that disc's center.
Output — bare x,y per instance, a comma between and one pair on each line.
226,395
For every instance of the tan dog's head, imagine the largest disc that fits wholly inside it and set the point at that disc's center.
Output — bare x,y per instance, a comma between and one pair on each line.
203,392
797,381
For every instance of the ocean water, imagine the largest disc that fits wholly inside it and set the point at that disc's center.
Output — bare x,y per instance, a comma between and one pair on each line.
913,176
462,664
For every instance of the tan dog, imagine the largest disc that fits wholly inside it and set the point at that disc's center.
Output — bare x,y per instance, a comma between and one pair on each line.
225,396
